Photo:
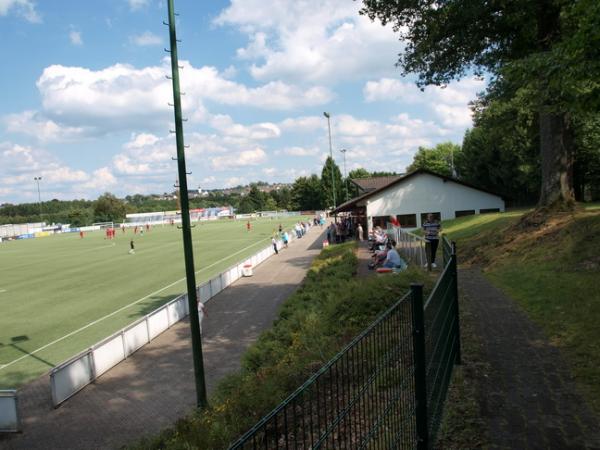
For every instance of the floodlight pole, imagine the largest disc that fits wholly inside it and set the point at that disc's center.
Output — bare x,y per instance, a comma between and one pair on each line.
326,114
37,180
345,176
201,400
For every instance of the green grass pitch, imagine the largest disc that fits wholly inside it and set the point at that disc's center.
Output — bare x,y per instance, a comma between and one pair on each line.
53,286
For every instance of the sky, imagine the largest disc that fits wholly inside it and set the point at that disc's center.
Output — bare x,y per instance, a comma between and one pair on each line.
84,98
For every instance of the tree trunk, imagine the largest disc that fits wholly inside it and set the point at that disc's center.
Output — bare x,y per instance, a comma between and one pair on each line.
556,147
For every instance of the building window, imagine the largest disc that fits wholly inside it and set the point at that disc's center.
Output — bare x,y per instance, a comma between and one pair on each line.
380,221
489,210
436,215
466,212
407,220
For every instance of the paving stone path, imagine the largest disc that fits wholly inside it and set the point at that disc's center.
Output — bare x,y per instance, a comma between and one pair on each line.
527,397
155,386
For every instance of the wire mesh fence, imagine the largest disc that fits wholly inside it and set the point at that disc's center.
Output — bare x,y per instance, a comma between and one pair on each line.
442,342
384,390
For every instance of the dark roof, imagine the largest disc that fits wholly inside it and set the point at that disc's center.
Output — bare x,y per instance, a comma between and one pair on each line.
350,203
372,183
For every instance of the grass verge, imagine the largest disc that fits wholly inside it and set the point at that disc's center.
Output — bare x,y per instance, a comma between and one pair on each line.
327,311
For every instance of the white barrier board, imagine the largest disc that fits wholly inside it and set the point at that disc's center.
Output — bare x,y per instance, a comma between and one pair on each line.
71,378
135,337
9,418
205,292
215,286
176,310
108,354
158,322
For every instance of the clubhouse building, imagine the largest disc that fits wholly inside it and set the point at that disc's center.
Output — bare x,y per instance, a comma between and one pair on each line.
412,196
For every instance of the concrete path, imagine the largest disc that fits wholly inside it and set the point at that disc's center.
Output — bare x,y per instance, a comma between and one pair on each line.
527,396
153,388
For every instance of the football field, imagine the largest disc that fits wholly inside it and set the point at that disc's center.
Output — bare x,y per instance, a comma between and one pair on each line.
60,294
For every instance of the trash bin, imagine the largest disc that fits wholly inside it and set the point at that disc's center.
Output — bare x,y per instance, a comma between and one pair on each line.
247,270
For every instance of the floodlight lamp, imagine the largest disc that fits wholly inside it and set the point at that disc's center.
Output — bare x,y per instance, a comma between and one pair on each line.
326,114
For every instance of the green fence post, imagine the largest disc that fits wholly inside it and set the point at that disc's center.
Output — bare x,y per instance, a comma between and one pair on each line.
456,308
420,366
188,252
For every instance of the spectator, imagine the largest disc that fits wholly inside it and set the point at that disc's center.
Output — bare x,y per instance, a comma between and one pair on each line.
432,229
392,259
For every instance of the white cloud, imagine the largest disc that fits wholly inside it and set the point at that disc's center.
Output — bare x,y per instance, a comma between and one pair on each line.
299,151
449,103
137,4
235,181
101,180
305,124
122,97
75,37
146,39
239,159
312,40
23,8
43,129
19,164
227,127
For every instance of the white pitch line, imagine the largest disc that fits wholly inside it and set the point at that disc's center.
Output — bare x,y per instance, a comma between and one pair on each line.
122,309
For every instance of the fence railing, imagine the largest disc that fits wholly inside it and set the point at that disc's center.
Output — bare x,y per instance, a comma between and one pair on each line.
386,389
410,246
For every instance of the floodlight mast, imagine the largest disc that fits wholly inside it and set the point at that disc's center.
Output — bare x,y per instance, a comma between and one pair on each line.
328,116
185,219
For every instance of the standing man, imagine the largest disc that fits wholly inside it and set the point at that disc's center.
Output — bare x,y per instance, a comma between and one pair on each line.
431,229
131,247
248,226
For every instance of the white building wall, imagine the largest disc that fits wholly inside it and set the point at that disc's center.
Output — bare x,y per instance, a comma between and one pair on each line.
427,193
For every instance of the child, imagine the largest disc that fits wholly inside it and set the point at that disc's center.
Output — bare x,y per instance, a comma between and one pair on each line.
274,242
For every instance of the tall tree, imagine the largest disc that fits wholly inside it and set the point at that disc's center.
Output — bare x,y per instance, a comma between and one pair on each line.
326,182
444,40
108,208
307,193
439,159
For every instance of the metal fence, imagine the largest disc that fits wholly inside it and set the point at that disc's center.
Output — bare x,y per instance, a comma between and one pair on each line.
409,245
385,390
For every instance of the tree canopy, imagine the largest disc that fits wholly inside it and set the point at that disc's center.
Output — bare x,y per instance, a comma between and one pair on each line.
439,159
547,49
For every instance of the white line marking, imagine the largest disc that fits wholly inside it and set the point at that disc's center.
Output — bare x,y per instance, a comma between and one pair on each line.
123,308
2,290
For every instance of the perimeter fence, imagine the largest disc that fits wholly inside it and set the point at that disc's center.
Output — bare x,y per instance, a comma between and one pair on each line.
384,390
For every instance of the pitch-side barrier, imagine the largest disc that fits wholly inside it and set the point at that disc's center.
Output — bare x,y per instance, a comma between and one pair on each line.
74,374
9,417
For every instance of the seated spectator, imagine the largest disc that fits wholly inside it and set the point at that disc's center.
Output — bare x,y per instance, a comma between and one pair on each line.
392,259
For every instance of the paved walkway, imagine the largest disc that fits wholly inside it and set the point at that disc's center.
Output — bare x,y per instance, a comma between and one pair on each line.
153,388
527,398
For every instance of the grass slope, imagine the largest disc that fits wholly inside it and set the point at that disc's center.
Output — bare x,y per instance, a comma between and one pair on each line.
552,271
53,286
